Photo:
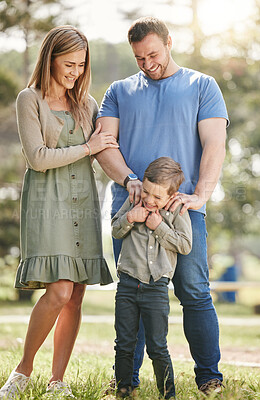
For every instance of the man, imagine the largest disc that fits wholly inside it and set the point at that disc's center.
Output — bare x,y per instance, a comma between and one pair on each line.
167,110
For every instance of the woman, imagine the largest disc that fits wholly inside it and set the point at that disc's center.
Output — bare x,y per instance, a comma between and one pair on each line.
61,248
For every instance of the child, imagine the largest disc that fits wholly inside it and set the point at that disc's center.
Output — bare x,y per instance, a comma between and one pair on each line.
152,238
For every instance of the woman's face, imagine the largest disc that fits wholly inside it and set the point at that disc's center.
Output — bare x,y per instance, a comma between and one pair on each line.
66,69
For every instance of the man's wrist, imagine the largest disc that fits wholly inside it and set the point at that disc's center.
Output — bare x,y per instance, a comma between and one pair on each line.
130,177
201,196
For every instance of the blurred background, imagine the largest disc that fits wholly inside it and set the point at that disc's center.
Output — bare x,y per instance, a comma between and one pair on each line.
221,39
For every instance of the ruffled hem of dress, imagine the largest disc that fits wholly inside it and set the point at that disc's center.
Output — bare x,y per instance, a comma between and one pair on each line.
35,272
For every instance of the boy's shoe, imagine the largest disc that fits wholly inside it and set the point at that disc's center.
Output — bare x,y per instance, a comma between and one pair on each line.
214,385
59,388
15,384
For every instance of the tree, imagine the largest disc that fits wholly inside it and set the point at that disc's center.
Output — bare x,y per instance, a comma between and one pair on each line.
23,15
8,88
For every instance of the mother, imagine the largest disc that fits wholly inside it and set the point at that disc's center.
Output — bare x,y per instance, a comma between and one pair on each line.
60,216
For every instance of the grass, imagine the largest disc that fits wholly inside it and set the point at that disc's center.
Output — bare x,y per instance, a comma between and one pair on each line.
89,375
90,367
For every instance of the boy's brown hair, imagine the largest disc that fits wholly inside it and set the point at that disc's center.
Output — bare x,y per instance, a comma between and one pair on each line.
166,172
145,26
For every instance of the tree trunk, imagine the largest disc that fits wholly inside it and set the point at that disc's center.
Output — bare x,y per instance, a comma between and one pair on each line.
196,29
26,59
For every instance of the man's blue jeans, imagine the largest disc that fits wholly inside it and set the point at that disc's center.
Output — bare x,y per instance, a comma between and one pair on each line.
151,301
191,286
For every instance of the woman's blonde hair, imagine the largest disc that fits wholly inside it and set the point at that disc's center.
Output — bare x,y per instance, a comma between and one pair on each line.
58,41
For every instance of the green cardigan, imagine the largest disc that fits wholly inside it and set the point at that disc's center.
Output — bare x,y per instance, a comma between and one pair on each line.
39,130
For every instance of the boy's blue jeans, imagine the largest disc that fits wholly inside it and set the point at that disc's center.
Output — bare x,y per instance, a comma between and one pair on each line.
151,301
191,286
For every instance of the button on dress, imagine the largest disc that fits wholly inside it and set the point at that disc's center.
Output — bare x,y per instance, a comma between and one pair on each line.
61,222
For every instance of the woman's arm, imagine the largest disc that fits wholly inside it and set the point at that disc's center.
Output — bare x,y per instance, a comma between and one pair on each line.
38,155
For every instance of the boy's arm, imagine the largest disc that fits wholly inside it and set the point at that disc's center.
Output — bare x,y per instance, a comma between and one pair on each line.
120,225
179,237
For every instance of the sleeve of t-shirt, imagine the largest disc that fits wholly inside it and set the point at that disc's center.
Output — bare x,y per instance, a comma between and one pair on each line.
212,104
109,105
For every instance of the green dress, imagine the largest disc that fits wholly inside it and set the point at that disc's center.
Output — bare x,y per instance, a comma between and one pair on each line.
61,222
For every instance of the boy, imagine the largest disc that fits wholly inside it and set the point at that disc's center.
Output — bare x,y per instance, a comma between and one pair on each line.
152,237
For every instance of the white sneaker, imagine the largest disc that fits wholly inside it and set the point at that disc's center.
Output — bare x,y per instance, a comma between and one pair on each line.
59,388
15,384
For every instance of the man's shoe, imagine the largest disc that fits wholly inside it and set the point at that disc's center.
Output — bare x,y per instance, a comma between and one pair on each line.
214,385
111,389
59,388
15,384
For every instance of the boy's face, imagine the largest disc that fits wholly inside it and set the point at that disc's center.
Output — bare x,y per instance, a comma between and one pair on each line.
154,196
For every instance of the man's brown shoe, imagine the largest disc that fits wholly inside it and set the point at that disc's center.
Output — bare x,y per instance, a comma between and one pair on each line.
214,385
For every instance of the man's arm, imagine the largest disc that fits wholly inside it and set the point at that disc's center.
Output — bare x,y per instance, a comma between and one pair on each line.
212,134
113,163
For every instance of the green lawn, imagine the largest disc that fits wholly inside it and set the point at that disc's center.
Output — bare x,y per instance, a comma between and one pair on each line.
89,375
90,369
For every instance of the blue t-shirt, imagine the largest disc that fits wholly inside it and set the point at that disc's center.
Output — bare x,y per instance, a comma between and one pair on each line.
160,118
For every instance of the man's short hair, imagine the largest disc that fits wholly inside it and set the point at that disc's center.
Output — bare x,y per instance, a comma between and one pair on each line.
145,26
166,172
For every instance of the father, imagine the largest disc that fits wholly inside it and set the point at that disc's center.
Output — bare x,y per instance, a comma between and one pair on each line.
167,110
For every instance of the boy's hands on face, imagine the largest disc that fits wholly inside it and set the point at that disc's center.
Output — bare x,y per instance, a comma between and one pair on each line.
153,220
137,214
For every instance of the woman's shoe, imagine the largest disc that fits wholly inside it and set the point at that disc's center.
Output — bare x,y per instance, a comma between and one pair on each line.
15,384
59,388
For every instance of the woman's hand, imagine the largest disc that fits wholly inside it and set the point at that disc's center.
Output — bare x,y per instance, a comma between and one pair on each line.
100,141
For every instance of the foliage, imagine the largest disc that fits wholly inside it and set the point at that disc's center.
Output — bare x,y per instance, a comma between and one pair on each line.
109,62
8,88
11,171
23,15
239,183
233,214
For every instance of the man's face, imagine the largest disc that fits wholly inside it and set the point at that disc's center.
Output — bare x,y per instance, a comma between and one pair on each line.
153,56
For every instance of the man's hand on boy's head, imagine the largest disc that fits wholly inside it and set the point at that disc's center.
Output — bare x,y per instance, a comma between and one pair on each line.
153,220
137,214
